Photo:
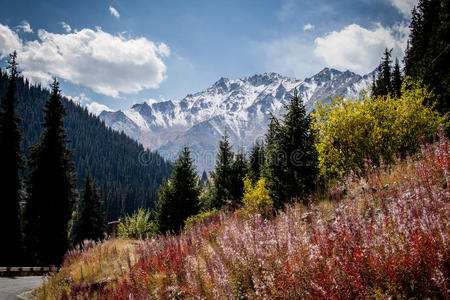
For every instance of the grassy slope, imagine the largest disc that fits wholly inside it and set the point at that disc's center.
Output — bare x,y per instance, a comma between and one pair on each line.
380,236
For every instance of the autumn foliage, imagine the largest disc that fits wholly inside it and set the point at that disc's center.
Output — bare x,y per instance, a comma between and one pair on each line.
379,237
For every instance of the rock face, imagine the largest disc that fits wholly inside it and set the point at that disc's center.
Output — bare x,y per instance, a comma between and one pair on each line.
240,108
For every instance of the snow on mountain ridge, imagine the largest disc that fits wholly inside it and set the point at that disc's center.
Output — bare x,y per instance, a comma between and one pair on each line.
240,107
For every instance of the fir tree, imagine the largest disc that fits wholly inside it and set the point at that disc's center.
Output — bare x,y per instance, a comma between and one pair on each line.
239,171
204,180
428,54
223,174
291,167
397,80
90,220
179,197
50,188
11,162
382,85
257,160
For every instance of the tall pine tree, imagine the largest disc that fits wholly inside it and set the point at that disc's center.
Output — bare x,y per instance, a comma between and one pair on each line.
382,85
179,197
292,161
428,54
239,171
256,161
397,80
50,188
90,221
223,174
11,161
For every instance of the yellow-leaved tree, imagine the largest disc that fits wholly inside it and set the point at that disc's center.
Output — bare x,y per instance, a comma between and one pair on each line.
256,199
350,131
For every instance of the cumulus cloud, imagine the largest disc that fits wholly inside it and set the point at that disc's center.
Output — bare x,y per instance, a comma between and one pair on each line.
66,27
114,12
25,27
404,6
289,55
308,27
107,64
9,41
360,49
96,108
92,106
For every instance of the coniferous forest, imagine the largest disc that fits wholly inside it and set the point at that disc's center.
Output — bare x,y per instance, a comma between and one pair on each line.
127,176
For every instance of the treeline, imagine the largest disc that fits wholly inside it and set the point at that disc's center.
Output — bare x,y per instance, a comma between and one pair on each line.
43,212
127,175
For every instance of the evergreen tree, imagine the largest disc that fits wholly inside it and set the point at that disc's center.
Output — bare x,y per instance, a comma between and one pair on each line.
239,171
179,197
257,160
223,174
428,54
204,180
90,222
11,161
292,164
397,80
382,85
50,188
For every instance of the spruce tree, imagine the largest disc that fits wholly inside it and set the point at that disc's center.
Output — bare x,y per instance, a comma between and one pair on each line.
239,171
50,188
397,80
11,162
90,221
428,54
292,161
256,161
382,85
204,180
222,174
179,197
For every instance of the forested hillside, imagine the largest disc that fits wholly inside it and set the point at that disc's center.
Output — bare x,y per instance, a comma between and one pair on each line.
127,176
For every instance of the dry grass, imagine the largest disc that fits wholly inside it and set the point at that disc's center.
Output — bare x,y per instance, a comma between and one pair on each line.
383,236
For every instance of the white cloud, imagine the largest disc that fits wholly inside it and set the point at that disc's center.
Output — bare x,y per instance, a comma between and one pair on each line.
92,106
290,55
25,27
96,108
404,6
9,41
107,64
360,49
114,12
66,27
308,27
81,99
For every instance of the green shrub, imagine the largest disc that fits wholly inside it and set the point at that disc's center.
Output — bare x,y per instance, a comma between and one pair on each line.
202,217
137,225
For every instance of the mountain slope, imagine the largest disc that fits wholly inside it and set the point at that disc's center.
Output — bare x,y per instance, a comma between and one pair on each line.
127,176
241,108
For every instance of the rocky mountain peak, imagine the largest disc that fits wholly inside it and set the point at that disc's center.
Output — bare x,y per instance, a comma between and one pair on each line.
240,107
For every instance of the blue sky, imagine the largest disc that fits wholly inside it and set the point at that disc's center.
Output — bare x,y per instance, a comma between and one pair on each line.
116,53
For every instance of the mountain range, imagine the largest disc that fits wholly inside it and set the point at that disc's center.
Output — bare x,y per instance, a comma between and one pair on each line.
240,108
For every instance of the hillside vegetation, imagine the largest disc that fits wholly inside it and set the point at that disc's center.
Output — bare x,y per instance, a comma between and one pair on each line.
128,176
383,235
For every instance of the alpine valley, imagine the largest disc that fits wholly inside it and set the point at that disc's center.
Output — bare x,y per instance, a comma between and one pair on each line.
240,108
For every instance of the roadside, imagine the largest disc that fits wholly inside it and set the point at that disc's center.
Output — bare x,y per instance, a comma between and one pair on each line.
13,288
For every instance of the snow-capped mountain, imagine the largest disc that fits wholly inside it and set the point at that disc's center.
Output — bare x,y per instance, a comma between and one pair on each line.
241,108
